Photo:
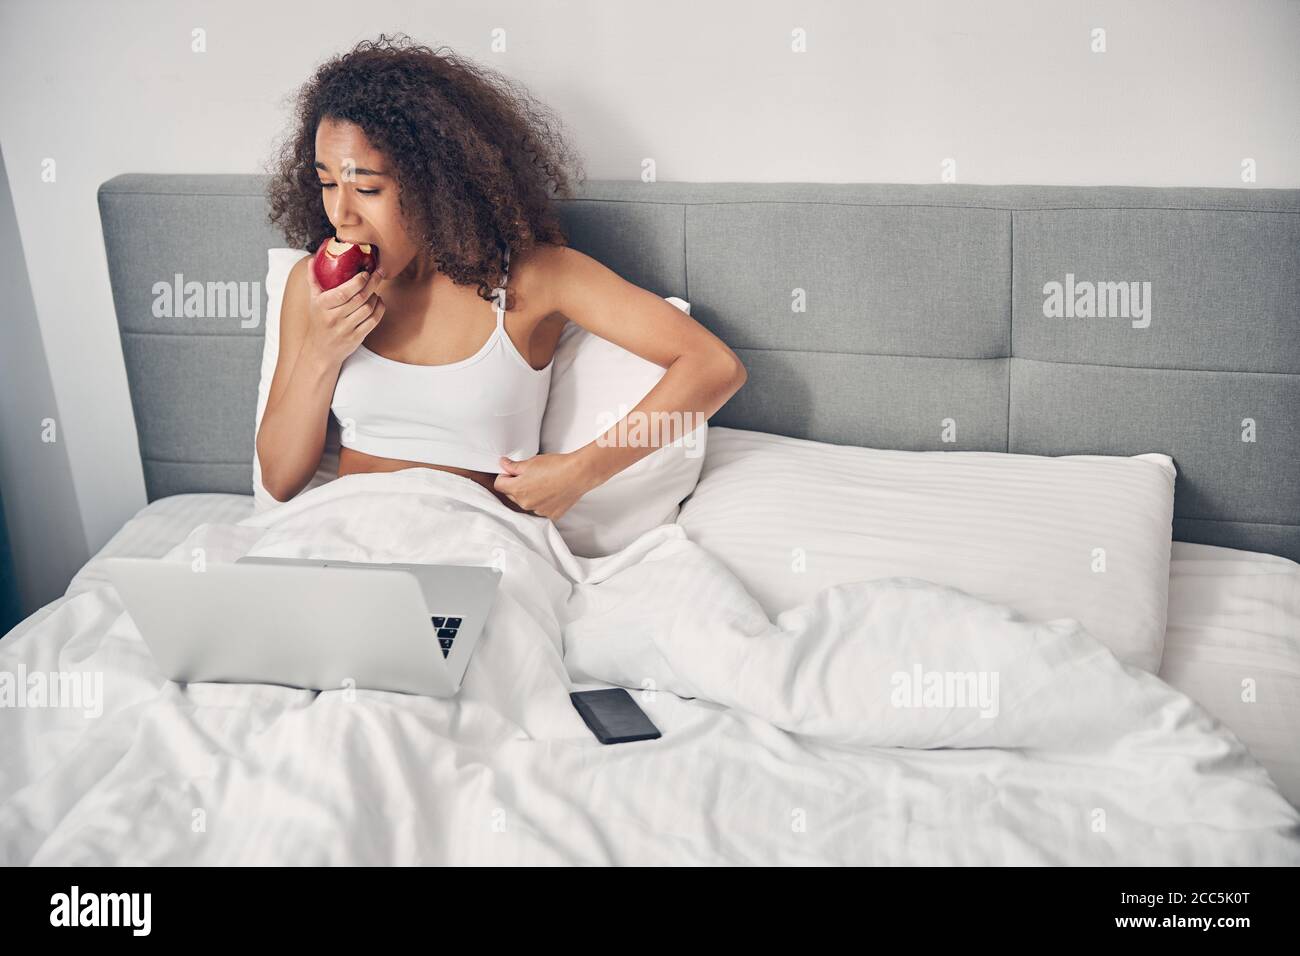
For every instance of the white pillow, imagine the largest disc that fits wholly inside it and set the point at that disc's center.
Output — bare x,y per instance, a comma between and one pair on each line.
792,517
594,384
279,262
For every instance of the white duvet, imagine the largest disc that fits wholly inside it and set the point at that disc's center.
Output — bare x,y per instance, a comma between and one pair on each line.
888,721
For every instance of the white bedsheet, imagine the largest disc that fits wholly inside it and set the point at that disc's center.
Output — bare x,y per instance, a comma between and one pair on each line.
1232,644
778,759
1233,616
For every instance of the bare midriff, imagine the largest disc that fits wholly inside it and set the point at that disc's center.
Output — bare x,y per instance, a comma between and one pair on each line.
354,462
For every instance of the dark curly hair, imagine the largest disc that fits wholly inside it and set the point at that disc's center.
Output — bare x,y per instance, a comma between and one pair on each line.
477,158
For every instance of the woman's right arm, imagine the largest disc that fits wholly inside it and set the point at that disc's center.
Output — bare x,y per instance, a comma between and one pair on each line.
318,330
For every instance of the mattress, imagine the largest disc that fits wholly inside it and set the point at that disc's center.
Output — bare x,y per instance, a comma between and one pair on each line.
1232,644
1234,617
150,533
158,527
756,765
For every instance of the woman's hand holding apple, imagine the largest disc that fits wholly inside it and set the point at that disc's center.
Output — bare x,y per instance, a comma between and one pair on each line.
339,319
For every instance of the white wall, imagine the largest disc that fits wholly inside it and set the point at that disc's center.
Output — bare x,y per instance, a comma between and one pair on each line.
1010,89
46,538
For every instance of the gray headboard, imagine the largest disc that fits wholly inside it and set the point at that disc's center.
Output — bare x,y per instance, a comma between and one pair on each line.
891,316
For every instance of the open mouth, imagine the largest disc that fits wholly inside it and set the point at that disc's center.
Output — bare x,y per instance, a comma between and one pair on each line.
339,246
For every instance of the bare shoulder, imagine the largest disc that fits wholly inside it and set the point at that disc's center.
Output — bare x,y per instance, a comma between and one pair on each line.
299,270
541,275
542,258
297,283
551,276
297,295
552,263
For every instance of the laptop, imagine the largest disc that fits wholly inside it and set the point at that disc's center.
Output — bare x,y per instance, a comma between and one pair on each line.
310,623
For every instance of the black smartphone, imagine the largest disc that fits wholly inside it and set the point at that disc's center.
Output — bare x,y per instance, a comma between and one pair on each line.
613,715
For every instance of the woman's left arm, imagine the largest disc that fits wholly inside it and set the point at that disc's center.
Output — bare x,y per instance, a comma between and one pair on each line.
702,374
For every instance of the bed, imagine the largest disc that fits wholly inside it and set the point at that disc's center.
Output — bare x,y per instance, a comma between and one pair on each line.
933,298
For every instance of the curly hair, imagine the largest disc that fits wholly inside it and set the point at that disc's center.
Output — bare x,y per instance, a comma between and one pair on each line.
477,158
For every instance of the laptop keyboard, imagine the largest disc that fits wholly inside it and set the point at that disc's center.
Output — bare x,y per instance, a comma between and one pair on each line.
446,628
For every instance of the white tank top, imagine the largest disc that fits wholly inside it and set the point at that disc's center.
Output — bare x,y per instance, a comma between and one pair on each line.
465,414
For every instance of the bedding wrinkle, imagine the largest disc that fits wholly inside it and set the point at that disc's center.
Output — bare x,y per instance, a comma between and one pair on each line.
782,739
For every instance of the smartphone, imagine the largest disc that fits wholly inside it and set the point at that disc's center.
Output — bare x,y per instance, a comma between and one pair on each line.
613,715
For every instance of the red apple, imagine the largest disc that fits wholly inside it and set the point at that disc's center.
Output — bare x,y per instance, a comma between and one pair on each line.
337,262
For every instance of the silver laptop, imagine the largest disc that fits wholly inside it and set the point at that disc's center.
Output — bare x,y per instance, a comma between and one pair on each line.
318,624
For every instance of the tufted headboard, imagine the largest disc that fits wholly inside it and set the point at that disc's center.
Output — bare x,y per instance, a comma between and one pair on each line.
893,316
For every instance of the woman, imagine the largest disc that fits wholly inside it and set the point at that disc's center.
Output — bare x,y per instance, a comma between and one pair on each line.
449,171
